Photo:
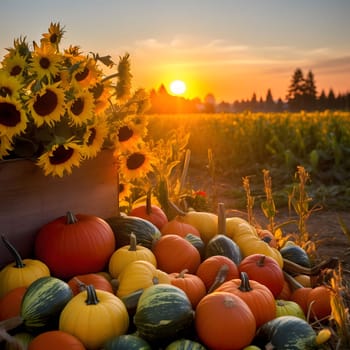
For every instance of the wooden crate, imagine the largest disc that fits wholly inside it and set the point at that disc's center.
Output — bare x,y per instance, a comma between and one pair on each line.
29,199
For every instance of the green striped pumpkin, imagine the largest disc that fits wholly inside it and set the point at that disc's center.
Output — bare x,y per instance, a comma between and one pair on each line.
185,344
43,302
127,342
163,313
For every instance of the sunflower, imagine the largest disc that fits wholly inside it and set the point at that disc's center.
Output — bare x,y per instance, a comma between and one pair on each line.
124,190
129,135
45,62
9,85
135,165
5,146
87,74
81,108
54,36
15,64
94,138
61,158
48,105
102,93
13,119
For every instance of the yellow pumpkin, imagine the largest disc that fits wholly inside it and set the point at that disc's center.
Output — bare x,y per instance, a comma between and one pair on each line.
20,273
94,316
126,254
139,274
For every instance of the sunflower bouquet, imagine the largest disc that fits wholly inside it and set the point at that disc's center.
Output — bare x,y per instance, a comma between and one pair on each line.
59,108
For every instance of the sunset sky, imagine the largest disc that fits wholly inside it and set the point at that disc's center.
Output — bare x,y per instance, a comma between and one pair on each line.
230,48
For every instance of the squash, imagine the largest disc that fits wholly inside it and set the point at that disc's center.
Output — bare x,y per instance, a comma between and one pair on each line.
245,235
174,253
224,321
21,273
43,302
223,245
127,342
56,340
146,232
163,313
289,307
257,296
19,341
296,254
185,344
289,332
10,303
75,244
267,236
94,316
198,243
128,253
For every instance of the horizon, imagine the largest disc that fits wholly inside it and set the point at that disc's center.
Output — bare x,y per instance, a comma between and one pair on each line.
230,48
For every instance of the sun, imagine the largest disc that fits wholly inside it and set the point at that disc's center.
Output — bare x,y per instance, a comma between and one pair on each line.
178,87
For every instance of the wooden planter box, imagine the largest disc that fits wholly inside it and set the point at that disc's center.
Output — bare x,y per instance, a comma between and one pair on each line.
29,199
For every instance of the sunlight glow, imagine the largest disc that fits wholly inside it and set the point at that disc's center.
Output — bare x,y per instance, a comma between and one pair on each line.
178,87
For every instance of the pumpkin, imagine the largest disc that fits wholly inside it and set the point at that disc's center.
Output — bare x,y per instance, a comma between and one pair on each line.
289,332
21,273
79,283
295,253
245,235
257,296
94,316
73,245
267,236
126,342
20,340
224,321
128,253
10,303
318,302
137,275
286,291
163,313
56,340
209,270
191,284
288,307
178,227
300,296
185,344
150,212
174,253
122,226
43,302
223,245
265,270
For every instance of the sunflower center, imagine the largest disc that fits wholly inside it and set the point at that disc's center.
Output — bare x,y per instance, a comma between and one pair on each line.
53,38
9,115
121,188
77,106
125,133
61,155
82,75
135,161
97,91
5,91
44,62
45,104
16,70
92,136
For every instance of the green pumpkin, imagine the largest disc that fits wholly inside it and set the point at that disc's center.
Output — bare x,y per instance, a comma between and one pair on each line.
127,342
296,254
223,245
185,344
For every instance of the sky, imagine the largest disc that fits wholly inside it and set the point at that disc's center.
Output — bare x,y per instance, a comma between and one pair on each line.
228,48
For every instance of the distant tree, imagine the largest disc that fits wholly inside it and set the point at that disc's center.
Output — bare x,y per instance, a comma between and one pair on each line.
209,103
269,102
296,91
310,92
331,100
322,101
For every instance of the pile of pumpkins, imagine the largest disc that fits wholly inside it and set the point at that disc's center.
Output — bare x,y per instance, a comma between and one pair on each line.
141,281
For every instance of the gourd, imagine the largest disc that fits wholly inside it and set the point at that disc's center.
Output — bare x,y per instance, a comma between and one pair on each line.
128,253
163,313
21,273
94,316
185,344
289,332
245,235
174,253
79,283
127,342
289,307
75,244
197,242
55,340
224,321
257,296
296,254
122,226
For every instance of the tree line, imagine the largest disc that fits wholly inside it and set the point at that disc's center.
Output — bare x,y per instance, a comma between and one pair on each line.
301,95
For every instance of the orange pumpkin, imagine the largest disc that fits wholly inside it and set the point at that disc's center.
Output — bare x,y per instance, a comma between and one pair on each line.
79,282
10,303
318,302
286,291
268,237
224,321
300,296
208,270
174,253
177,227
191,284
56,340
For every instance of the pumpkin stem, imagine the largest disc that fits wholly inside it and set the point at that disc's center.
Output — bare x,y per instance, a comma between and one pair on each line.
182,273
71,218
245,285
220,278
221,219
91,298
18,260
133,242
81,285
261,261
149,202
